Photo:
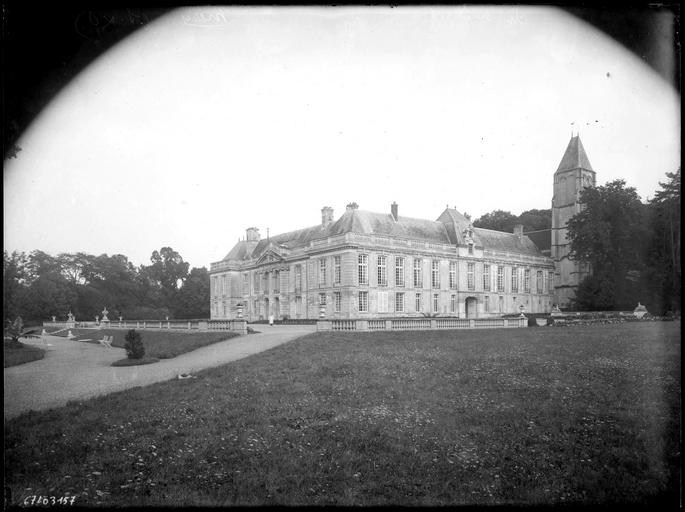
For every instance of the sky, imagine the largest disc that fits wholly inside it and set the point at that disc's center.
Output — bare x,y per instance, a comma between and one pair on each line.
208,121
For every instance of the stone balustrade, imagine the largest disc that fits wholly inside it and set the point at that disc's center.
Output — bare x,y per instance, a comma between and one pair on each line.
418,324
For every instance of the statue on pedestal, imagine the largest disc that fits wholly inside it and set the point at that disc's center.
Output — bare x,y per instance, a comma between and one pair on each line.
104,315
640,311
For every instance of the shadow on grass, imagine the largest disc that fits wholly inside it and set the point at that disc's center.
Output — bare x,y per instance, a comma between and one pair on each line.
135,362
18,353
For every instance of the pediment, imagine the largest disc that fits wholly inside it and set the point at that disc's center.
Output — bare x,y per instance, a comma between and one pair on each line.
271,255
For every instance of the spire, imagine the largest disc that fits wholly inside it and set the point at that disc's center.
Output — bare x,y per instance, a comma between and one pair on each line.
574,157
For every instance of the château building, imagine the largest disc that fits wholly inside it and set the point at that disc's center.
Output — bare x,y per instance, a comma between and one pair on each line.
369,265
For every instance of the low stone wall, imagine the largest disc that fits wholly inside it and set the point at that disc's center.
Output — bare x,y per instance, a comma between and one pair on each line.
420,324
239,326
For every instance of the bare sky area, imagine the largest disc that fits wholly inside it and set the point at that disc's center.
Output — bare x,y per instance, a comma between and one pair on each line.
211,120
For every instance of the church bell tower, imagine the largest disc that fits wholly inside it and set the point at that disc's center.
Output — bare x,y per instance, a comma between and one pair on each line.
573,175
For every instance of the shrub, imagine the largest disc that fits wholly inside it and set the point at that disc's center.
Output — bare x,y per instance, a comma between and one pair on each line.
134,345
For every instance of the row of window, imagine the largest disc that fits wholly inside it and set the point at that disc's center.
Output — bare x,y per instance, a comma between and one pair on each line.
221,309
519,276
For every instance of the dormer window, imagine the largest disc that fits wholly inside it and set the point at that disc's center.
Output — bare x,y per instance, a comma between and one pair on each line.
471,249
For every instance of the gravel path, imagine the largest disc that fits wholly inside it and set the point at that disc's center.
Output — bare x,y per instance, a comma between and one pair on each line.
74,370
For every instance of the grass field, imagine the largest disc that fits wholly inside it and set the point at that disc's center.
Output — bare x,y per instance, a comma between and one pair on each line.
19,354
581,415
158,344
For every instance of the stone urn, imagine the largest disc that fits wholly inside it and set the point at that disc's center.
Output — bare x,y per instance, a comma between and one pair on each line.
640,311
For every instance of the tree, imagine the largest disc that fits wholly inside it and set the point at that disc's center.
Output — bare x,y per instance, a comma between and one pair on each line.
609,235
15,330
165,276
663,253
536,220
134,345
497,220
193,297
14,287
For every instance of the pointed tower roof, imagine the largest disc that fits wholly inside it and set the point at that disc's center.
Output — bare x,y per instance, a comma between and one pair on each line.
575,157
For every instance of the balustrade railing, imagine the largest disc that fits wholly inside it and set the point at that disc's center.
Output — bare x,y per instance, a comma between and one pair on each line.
176,325
376,325
344,325
411,324
452,323
417,324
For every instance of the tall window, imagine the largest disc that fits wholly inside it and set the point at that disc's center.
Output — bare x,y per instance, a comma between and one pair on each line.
256,282
399,302
436,304
266,282
418,275
538,281
255,307
417,302
277,281
298,278
526,281
435,274
514,279
453,303
399,271
246,284
471,275
382,302
550,282
322,272
500,278
337,274
322,299
363,302
487,304
363,266
337,301
453,275
223,284
486,277
382,271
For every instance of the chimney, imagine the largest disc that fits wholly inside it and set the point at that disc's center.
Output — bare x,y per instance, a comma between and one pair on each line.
518,230
393,210
351,206
252,235
326,216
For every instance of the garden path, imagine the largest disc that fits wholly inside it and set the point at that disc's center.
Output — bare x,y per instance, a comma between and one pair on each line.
73,370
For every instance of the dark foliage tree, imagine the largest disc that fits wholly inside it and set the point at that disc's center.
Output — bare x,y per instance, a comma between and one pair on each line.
536,220
134,345
193,297
14,289
663,247
609,234
499,220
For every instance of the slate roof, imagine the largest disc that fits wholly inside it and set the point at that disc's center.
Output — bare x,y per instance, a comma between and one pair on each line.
542,239
574,157
506,242
448,229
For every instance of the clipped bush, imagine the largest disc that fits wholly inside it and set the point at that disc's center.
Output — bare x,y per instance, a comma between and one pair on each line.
134,345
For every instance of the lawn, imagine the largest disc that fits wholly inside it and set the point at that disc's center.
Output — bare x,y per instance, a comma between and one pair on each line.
14,354
549,415
158,344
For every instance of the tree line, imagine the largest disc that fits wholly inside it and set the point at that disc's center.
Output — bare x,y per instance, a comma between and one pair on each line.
633,248
38,286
